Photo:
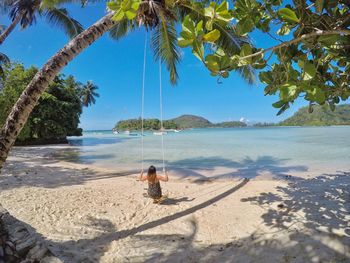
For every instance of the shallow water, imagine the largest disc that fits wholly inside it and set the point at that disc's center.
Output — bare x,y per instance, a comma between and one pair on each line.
245,152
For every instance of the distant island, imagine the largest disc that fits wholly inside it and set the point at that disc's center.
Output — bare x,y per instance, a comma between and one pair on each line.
321,116
182,122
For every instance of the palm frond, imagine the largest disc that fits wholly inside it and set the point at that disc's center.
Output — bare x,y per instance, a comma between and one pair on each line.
248,73
59,17
4,59
48,4
229,41
164,44
26,10
6,6
121,28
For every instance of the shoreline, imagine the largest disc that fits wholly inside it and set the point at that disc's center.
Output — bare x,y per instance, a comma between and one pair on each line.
88,215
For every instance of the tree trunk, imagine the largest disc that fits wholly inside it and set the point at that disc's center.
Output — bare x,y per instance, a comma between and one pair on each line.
30,96
9,29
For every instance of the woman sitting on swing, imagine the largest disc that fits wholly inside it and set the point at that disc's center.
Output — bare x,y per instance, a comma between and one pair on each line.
154,189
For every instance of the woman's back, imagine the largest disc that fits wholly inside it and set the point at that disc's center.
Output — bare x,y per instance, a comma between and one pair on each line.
154,189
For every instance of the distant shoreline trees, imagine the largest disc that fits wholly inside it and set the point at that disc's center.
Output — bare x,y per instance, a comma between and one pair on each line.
182,122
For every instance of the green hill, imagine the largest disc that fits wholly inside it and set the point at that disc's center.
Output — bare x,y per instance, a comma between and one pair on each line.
191,121
321,116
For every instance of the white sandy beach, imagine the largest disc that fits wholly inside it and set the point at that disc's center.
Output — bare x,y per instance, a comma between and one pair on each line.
89,214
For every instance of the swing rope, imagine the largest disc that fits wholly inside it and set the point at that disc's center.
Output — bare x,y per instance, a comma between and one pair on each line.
143,104
143,101
161,110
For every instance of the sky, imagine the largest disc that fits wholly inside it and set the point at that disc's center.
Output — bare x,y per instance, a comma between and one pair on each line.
116,68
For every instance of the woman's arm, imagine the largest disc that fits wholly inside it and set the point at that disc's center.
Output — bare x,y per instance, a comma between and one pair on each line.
164,178
142,177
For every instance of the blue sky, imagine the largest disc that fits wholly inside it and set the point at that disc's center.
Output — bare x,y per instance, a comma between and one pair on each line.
116,67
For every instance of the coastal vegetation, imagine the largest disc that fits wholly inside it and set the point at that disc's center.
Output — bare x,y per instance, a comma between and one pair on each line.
321,116
264,124
148,124
230,124
311,62
192,121
181,122
57,113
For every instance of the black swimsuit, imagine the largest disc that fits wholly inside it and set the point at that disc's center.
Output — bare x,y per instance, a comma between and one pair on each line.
154,190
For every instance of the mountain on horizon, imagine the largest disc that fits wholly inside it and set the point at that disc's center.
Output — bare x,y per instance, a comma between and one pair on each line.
321,116
191,121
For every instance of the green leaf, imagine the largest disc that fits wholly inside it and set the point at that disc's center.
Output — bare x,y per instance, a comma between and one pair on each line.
119,15
199,26
288,15
284,30
212,36
198,50
188,24
209,24
244,26
184,42
266,77
131,14
309,71
126,5
278,104
113,5
222,7
283,109
316,94
246,50
212,63
288,92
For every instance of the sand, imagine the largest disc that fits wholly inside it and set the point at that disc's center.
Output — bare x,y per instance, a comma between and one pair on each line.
89,214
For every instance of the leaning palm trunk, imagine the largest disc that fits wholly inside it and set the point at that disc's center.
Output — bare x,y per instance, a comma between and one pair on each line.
30,96
9,29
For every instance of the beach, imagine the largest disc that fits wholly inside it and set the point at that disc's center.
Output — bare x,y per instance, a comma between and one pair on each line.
87,213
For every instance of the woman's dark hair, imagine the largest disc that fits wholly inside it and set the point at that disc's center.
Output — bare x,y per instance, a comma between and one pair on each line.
151,170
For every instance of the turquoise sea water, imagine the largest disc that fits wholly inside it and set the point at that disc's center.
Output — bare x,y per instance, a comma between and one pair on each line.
247,152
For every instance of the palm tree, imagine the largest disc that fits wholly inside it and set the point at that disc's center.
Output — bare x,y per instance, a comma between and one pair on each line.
154,15
25,12
89,94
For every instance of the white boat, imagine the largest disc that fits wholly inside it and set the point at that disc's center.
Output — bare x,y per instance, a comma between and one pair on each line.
115,132
160,133
177,131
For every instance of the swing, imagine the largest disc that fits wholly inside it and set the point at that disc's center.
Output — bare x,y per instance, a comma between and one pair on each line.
161,133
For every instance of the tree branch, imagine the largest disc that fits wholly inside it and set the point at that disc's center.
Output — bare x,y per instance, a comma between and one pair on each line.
296,40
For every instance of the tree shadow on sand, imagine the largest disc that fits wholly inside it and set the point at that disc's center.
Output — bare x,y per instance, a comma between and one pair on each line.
98,245
311,226
45,171
247,168
315,213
